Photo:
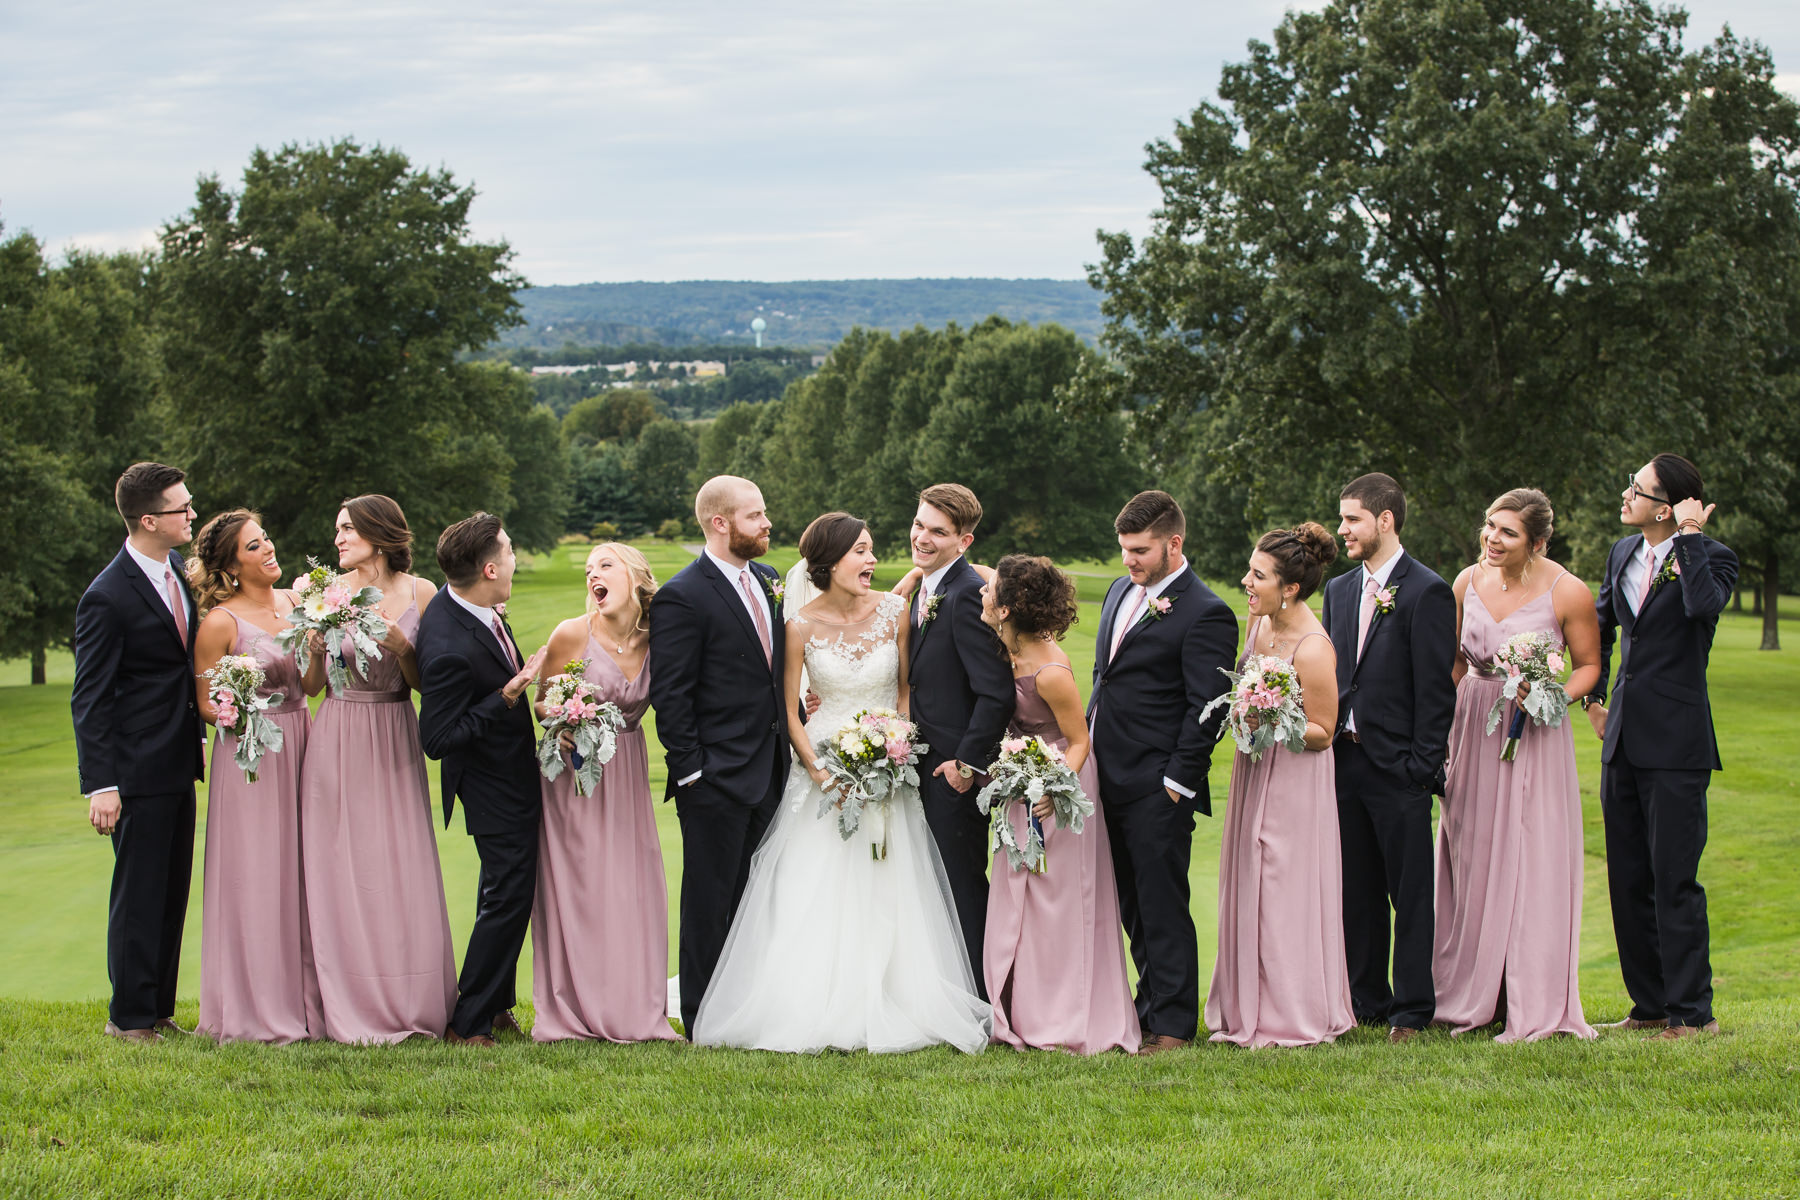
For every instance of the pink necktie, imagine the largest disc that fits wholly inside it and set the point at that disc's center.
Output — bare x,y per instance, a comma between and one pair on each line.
919,608
756,610
1124,621
512,656
1649,574
1363,620
177,605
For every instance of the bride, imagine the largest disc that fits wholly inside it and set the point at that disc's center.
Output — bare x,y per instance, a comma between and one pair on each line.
831,948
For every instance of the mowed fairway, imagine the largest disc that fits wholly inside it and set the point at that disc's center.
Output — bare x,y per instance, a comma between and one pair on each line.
81,1115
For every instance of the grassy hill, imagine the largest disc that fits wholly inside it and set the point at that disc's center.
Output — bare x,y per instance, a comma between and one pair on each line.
809,313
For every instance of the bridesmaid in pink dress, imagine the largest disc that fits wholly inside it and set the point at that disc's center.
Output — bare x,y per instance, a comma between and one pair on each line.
1508,920
256,973
1053,956
1280,977
380,929
600,922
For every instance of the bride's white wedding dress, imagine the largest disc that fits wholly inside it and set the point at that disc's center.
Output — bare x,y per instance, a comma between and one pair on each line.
830,948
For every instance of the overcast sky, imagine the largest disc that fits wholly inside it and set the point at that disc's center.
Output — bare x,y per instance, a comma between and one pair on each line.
686,139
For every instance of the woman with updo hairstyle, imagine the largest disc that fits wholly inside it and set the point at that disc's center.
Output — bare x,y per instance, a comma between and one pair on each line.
1507,925
1280,977
375,891
256,977
1051,952
600,919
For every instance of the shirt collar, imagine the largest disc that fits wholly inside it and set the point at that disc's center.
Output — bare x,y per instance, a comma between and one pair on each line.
1382,576
932,580
484,615
1153,590
149,566
726,569
1659,553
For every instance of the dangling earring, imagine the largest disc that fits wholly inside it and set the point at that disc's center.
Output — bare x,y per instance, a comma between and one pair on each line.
234,581
1284,605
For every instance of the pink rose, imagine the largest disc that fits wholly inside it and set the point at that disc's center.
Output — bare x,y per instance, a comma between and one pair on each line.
227,713
899,750
1512,669
1012,745
337,595
1160,604
1555,662
553,710
1384,597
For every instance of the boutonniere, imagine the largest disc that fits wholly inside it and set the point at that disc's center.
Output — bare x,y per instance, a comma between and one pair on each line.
1158,608
1671,571
500,610
774,587
931,606
1384,599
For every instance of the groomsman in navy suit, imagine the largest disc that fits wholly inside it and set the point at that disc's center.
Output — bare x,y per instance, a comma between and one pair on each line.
961,697
716,642
1163,644
1660,600
139,743
1394,626
475,718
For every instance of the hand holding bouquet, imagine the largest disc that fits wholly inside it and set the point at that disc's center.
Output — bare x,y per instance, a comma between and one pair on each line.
593,725
328,606
1532,663
1027,771
1263,706
870,758
238,709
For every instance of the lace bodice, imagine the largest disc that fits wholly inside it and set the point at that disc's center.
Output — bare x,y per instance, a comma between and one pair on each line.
852,667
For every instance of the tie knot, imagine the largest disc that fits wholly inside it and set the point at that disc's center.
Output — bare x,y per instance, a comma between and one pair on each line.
1371,585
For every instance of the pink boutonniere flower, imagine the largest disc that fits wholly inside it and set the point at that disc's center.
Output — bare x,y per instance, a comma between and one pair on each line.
776,588
1671,570
931,607
1384,599
1158,608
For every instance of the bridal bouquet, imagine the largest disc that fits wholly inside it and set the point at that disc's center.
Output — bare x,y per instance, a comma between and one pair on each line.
1263,706
328,606
233,686
569,705
871,757
1028,770
1535,658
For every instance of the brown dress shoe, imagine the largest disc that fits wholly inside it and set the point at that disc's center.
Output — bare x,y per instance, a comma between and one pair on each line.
507,1023
1402,1033
475,1039
168,1025
1675,1033
1156,1043
1637,1023
132,1035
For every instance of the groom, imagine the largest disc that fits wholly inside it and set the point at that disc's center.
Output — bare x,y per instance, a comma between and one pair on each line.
962,698
475,718
716,652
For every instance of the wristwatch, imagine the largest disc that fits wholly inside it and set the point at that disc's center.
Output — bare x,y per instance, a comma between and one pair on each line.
964,770
1588,702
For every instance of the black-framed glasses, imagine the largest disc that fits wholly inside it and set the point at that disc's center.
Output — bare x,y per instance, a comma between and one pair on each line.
183,511
1632,489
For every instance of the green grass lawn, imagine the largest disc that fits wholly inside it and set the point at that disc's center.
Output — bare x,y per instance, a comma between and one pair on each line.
82,1115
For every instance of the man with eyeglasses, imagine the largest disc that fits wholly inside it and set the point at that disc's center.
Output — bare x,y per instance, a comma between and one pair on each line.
1660,600
139,741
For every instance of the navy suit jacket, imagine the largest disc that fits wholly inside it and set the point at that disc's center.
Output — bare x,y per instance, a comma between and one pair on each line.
137,726
1660,715
1400,690
719,707
487,751
961,683
1145,705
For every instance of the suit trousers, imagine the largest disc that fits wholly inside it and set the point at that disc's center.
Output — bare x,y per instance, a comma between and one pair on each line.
719,836
153,866
488,984
1152,844
1655,831
961,834
1384,828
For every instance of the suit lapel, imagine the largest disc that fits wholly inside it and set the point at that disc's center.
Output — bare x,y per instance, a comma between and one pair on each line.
483,634
734,600
1376,621
951,577
1144,619
148,592
1108,611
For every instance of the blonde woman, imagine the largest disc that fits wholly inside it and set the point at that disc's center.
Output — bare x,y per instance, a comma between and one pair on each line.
600,922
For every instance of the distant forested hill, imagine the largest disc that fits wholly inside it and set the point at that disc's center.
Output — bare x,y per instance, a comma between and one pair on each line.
814,313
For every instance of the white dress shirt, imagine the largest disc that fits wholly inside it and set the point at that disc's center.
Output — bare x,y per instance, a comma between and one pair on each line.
1645,558
1381,575
484,615
1126,609
761,593
928,586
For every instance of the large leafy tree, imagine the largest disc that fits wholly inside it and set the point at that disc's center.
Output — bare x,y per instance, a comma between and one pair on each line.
1415,237
312,322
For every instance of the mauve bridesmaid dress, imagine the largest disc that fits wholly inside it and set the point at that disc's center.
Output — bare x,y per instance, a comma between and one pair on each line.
1508,920
257,982
1053,955
600,922
380,929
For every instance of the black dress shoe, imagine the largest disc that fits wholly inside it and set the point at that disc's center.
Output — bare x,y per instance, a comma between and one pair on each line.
132,1035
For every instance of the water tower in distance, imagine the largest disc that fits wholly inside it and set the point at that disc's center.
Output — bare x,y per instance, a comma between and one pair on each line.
757,326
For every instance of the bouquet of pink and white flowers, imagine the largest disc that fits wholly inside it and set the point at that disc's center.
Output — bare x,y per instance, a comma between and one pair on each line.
569,705
1263,706
239,709
1535,658
1029,770
872,757
328,606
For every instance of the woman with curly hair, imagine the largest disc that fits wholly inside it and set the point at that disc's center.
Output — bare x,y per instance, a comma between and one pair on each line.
257,982
1052,955
600,922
